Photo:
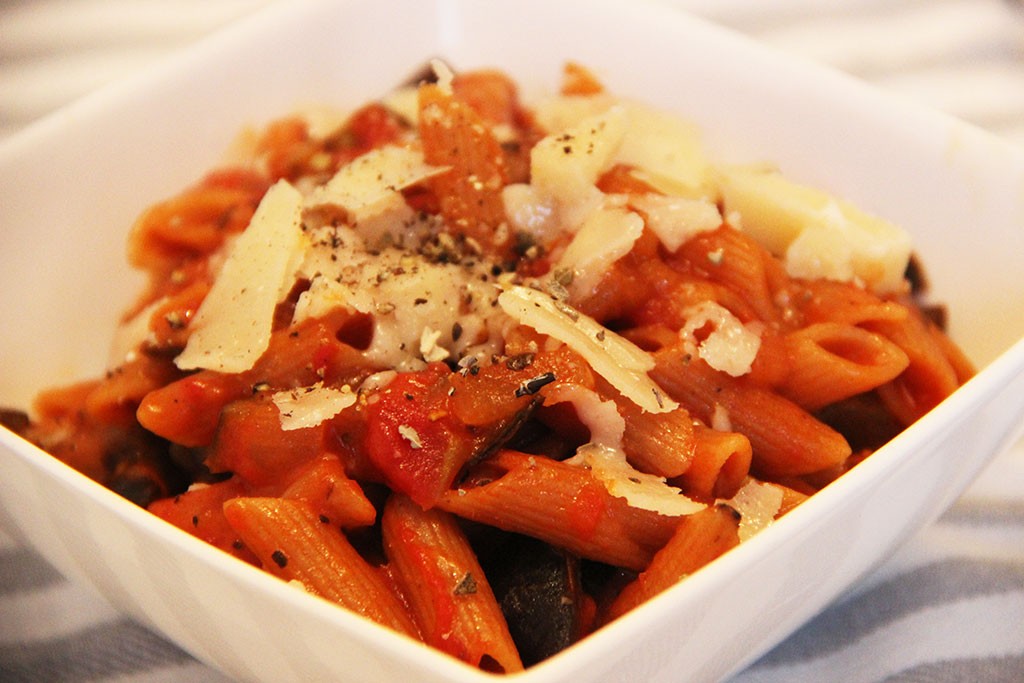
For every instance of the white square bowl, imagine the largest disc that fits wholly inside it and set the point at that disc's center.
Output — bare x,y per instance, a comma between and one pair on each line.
71,186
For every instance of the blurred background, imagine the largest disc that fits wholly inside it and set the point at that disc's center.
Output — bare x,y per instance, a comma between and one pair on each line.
948,607
965,57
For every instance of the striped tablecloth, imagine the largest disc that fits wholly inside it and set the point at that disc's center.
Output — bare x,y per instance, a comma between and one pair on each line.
948,607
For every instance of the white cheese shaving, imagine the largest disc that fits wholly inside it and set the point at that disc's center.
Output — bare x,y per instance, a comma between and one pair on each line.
605,236
565,165
369,184
676,219
818,235
668,149
309,406
404,103
232,326
559,112
429,348
758,504
410,434
530,213
730,347
322,120
639,489
623,364
665,150
721,421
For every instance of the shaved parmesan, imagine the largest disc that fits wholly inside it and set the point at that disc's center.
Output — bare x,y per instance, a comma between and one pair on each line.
370,183
429,348
411,435
566,111
676,219
231,329
530,213
605,236
639,489
730,346
720,421
758,504
666,147
310,406
818,235
404,102
565,166
615,358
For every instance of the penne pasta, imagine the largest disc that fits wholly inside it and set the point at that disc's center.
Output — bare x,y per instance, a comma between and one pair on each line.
720,465
786,439
831,362
930,375
293,543
470,191
561,504
446,588
699,538
332,494
704,463
739,264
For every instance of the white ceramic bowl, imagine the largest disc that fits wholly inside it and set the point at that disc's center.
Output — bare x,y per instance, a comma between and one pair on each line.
71,186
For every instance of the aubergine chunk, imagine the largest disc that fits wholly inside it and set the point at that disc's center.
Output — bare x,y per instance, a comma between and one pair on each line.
538,589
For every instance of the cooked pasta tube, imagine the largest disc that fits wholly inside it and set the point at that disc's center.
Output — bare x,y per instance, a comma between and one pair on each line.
699,538
830,362
293,543
786,439
446,588
563,505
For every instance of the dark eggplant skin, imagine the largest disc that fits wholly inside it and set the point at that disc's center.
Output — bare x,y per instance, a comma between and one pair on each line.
539,590
15,420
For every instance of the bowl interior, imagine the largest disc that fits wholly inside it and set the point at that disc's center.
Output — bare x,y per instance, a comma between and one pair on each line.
73,184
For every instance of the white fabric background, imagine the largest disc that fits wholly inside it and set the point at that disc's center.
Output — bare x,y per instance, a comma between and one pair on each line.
948,607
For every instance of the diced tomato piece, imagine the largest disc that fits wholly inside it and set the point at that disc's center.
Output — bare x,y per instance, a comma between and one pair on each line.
413,438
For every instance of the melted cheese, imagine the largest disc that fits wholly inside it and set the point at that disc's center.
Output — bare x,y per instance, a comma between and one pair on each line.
416,304
231,328
730,346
